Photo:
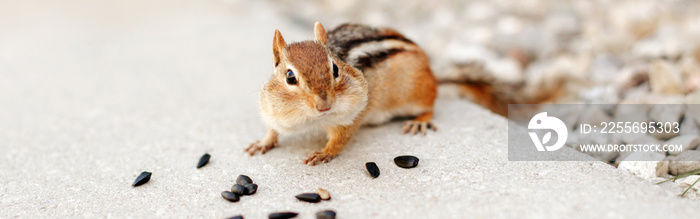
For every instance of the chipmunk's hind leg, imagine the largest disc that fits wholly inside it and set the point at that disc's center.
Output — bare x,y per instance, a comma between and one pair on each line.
423,98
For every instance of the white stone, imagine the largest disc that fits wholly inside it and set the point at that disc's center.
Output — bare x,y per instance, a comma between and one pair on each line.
597,138
632,113
692,82
561,24
604,70
621,157
685,162
638,138
631,75
667,112
650,48
663,136
665,78
689,126
689,66
443,17
670,40
646,165
574,139
692,102
687,142
568,115
635,95
593,115
505,69
694,192
508,25
600,95
690,180
461,51
479,11
540,71
670,158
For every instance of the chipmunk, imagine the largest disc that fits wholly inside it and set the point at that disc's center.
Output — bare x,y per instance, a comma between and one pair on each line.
350,76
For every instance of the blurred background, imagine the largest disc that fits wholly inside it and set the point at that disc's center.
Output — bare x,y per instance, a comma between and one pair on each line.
610,49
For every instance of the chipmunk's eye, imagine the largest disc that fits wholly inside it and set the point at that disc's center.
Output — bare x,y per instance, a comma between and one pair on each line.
291,79
335,71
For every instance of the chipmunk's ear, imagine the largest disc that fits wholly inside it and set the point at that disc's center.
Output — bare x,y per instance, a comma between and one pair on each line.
320,33
278,45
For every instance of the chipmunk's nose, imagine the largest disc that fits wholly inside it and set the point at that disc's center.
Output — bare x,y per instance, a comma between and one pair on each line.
324,104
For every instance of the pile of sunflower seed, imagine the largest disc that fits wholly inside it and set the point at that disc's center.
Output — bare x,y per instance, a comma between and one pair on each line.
244,186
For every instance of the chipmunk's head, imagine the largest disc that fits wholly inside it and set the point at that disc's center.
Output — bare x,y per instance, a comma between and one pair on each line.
310,84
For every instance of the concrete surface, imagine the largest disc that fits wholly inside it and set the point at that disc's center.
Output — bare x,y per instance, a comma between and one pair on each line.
91,94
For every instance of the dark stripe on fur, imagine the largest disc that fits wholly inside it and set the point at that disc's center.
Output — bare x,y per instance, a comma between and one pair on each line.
345,47
369,60
348,36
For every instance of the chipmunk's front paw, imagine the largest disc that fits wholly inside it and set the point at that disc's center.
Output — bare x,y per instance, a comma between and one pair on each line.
259,146
418,126
318,157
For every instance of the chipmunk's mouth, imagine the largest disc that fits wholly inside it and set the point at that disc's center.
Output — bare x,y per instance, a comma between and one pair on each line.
325,114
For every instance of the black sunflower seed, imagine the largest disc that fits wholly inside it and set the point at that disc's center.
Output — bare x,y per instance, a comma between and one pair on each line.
236,217
406,161
327,214
250,189
309,197
203,160
283,215
372,169
238,189
142,178
243,180
230,196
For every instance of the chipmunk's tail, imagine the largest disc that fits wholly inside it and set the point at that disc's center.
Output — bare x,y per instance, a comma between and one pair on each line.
485,89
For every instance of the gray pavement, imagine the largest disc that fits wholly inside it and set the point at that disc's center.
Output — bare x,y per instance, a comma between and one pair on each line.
93,94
